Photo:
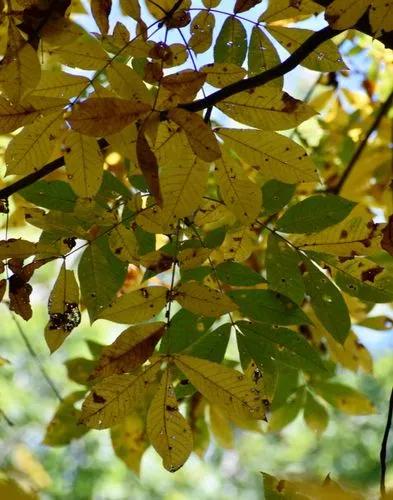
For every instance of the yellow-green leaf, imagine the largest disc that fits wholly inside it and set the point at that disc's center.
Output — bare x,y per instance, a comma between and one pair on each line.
242,196
168,430
273,155
223,74
230,389
84,164
201,299
325,58
32,147
63,308
123,243
60,84
136,306
117,396
200,136
266,108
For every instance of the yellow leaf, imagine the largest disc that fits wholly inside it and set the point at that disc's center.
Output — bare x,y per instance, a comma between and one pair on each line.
212,214
130,350
160,8
203,300
32,147
357,234
123,243
21,249
106,115
288,9
64,314
242,196
131,8
84,164
200,136
136,306
325,58
342,14
221,427
129,440
344,398
13,116
124,142
238,244
117,396
381,16
84,53
101,10
60,84
222,386
20,68
168,431
185,83
223,74
273,155
192,257
202,31
62,31
266,108
127,83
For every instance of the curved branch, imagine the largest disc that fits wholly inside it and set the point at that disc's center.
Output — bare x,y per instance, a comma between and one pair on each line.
281,69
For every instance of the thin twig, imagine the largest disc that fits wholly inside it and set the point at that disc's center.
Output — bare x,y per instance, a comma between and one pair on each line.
384,445
36,359
281,69
7,419
377,120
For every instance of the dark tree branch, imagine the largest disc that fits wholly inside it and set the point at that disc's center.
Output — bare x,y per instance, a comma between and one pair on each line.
267,76
363,25
374,126
30,179
384,446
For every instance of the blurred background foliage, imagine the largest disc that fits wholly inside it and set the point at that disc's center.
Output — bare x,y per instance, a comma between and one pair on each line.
348,450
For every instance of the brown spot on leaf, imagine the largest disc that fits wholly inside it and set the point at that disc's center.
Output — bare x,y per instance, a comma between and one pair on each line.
370,274
97,398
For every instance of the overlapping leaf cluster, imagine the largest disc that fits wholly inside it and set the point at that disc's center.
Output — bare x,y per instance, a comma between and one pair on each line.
187,230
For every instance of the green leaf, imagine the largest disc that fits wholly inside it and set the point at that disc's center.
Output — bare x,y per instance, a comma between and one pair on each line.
212,345
314,214
287,346
267,306
185,328
215,237
287,412
64,426
57,195
275,195
101,275
327,302
262,55
231,43
282,269
237,274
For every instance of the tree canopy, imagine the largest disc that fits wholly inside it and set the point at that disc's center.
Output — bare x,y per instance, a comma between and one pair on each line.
238,233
